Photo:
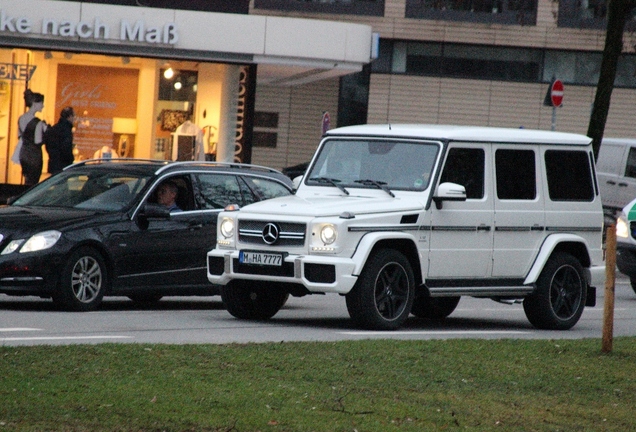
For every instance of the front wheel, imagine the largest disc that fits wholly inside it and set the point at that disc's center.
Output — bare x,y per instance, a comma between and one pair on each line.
383,296
249,301
83,281
559,300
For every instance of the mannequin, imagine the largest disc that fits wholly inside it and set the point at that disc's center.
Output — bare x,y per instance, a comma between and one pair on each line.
188,134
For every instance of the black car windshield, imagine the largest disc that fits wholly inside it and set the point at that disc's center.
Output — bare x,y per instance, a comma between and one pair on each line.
374,163
102,190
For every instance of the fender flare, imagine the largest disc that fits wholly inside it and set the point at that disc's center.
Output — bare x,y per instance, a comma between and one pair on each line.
368,242
549,245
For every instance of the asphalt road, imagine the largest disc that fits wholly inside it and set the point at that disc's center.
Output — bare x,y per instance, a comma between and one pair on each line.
187,320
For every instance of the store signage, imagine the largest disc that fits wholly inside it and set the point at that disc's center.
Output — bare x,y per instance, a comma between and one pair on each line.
96,29
13,71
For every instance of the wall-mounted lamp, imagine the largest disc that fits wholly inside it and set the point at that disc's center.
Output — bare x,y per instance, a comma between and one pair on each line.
48,55
168,73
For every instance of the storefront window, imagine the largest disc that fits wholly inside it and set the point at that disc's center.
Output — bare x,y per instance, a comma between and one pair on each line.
349,7
519,12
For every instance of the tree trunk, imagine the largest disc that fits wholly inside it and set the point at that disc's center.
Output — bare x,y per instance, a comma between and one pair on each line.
617,13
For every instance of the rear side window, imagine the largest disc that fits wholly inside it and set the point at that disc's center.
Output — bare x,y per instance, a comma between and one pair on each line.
630,169
465,166
217,191
569,175
266,189
516,174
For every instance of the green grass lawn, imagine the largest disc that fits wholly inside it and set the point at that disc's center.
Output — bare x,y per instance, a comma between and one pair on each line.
380,385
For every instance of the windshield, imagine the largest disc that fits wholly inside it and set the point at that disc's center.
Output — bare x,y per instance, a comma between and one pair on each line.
103,190
387,164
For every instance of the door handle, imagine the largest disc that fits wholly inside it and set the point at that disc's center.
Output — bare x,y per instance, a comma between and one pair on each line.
623,184
611,182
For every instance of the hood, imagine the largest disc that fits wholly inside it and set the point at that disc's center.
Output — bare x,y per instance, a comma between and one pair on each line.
41,218
334,205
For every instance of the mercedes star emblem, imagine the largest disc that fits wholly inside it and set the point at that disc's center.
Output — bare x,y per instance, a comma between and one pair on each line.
270,233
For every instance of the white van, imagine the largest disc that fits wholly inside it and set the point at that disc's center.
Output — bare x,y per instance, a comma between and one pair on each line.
406,219
616,170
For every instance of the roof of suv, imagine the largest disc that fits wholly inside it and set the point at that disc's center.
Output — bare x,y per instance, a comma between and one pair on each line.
156,167
464,133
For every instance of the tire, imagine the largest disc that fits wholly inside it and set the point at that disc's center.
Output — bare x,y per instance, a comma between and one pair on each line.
145,297
249,301
633,284
434,308
83,281
383,296
559,300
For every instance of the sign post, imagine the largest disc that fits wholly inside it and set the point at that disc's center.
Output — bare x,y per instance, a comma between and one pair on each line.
554,98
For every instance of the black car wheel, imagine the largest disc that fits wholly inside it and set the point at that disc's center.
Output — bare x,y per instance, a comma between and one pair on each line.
559,300
83,281
252,301
382,297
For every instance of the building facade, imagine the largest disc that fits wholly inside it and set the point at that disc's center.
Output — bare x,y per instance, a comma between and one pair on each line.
475,62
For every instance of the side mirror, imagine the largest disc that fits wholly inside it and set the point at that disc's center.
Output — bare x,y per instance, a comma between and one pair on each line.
155,211
449,192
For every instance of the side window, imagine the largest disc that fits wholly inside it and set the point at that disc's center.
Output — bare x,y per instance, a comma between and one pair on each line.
465,166
516,174
184,198
266,189
569,175
217,191
630,169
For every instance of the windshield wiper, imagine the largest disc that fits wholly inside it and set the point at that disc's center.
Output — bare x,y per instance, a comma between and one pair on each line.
378,184
331,181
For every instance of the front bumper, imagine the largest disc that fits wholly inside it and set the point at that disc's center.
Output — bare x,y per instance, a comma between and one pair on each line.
33,274
626,259
318,274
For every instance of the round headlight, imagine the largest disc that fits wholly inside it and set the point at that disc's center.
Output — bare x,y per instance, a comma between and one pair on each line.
227,227
328,234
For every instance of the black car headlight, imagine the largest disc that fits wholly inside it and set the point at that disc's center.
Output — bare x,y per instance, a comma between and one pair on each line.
37,242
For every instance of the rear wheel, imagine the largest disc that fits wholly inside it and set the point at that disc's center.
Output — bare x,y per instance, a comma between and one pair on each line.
252,301
434,308
83,281
382,297
559,300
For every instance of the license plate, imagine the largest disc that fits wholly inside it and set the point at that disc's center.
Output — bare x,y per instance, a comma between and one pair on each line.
261,258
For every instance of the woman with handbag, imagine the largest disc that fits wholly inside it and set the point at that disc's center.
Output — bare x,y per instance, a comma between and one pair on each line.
31,131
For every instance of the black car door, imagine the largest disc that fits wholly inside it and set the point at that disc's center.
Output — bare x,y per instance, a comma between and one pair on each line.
167,254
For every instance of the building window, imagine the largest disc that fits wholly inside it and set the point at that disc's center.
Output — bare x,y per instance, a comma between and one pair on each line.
514,12
348,7
588,14
498,63
265,129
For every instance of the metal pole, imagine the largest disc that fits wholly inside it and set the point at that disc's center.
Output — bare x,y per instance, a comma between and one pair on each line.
553,118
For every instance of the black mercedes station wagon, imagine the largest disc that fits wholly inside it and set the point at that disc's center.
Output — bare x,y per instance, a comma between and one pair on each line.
100,227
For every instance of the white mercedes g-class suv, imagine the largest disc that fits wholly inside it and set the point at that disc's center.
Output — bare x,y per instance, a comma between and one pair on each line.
406,219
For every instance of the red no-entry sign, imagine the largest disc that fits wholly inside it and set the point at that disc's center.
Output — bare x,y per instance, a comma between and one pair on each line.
556,93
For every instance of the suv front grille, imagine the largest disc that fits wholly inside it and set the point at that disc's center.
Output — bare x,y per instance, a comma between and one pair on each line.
271,233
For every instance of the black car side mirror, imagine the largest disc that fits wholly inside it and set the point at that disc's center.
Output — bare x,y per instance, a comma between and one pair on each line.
155,211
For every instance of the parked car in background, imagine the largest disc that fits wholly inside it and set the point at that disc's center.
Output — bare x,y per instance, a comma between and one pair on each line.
97,229
626,242
616,170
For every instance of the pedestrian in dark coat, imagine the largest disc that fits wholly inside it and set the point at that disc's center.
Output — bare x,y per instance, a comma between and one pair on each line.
59,142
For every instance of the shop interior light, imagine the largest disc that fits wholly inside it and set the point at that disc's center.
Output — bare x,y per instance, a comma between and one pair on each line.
48,55
68,56
178,85
168,73
125,60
